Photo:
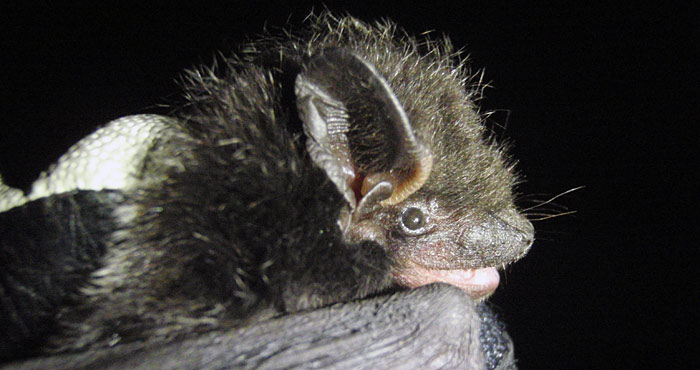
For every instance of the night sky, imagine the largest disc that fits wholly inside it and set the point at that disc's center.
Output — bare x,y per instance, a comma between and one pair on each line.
587,96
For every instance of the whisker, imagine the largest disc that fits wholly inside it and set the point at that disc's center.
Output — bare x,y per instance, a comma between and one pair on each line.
544,216
550,200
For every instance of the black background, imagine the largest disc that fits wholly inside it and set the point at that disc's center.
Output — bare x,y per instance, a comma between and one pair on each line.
589,95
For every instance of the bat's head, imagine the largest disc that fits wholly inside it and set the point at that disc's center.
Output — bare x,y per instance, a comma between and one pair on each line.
397,132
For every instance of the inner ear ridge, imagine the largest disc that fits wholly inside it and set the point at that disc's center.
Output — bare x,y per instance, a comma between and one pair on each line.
416,179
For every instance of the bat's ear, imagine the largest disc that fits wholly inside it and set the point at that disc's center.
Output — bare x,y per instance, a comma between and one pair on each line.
357,130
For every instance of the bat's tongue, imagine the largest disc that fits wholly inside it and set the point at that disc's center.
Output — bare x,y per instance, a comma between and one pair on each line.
478,283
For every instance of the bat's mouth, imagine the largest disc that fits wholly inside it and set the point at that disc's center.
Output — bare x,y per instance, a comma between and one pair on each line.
478,283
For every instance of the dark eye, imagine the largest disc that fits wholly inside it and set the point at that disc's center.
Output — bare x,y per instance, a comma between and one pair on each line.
413,218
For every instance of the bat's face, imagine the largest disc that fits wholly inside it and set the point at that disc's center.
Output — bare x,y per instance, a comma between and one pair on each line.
401,139
434,242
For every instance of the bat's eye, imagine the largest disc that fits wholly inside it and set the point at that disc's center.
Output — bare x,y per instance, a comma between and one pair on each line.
413,219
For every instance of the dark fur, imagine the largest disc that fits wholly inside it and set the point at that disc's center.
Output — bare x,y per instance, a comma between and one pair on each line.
235,222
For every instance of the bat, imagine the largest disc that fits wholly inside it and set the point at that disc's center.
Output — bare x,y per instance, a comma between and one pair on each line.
340,165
